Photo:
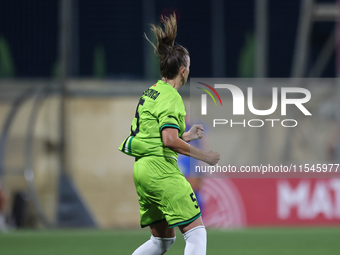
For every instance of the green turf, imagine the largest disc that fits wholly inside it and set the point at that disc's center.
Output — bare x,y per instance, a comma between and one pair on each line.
309,241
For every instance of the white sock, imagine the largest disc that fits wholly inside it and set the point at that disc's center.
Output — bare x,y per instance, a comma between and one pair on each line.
155,246
196,241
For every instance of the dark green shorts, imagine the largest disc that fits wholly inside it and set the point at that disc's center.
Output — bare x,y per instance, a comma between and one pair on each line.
164,193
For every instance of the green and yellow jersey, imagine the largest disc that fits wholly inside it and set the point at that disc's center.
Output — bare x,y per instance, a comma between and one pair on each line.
159,107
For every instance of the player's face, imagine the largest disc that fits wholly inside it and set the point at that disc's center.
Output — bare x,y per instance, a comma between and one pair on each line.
186,71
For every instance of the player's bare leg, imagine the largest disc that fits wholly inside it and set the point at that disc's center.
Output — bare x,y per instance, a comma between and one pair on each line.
162,237
195,237
162,230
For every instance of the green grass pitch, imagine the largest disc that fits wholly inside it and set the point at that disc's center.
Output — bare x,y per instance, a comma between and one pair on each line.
257,241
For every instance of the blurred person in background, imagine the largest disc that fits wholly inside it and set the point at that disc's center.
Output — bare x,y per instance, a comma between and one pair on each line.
334,144
331,110
157,136
334,147
3,203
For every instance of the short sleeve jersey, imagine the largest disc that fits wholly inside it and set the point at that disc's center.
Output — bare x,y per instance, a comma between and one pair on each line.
159,107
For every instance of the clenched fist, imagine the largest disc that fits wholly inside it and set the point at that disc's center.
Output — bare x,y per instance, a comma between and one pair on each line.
196,132
212,158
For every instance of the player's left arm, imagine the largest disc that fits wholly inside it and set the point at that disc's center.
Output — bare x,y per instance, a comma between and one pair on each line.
195,132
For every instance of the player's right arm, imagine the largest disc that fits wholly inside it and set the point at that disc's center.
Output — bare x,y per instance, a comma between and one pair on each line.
172,141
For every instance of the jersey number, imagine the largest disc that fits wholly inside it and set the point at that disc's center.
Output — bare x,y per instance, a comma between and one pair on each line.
135,132
194,200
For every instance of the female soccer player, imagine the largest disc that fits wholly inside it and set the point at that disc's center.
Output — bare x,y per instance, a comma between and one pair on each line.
157,134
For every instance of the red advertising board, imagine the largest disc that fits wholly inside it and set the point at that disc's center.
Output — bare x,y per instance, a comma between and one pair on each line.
228,203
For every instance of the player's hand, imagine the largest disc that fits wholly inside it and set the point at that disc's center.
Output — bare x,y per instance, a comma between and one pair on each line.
196,132
212,158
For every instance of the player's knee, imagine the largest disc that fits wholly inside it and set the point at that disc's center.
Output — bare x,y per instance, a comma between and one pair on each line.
198,233
167,242
196,241
163,243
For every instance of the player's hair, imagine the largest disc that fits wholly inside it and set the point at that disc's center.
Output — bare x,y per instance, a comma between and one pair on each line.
172,57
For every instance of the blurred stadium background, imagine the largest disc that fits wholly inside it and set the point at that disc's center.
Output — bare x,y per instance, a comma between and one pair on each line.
71,73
